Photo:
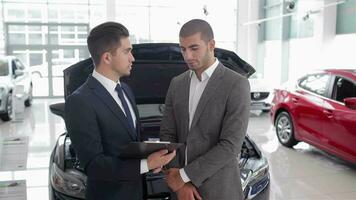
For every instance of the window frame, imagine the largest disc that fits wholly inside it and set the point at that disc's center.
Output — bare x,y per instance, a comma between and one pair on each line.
332,95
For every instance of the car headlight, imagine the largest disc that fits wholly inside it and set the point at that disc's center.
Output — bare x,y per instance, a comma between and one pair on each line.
70,182
254,182
260,173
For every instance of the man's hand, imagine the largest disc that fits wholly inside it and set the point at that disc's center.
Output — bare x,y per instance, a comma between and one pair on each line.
174,181
188,192
158,159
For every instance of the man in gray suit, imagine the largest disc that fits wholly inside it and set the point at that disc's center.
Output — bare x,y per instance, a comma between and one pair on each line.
207,109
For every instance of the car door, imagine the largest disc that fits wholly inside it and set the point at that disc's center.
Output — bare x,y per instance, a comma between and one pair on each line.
308,109
340,124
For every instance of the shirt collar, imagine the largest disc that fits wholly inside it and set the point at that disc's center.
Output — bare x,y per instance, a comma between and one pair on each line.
208,72
109,84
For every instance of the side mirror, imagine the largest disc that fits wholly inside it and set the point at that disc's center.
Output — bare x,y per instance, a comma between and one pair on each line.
19,73
350,103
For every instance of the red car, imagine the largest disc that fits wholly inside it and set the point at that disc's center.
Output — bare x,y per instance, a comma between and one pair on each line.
319,109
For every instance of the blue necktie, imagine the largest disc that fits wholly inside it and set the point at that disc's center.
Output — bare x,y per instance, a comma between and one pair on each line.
120,93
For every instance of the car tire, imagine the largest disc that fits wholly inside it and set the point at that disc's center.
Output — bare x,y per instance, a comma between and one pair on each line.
285,130
28,101
7,116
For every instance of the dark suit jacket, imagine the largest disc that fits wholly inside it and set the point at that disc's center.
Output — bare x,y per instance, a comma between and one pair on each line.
98,128
216,134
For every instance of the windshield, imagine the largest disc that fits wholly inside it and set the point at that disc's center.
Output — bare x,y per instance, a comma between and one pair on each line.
4,67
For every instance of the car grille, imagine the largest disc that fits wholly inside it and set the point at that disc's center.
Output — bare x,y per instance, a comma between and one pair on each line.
256,96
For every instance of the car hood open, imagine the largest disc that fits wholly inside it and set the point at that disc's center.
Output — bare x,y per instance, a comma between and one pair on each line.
154,67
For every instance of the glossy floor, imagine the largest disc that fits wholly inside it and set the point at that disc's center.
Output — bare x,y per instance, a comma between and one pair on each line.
302,173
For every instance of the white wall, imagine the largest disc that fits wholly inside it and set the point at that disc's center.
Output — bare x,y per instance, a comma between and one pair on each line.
341,52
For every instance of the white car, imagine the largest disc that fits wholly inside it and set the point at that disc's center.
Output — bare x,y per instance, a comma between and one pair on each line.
13,74
261,94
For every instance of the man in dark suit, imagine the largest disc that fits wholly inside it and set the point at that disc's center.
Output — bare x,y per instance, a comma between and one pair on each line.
207,108
101,117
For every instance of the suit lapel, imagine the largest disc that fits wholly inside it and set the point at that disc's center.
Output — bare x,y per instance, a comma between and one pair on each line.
209,91
185,88
104,95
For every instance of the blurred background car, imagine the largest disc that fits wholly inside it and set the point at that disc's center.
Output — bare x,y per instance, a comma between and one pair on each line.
58,65
67,178
14,78
261,93
320,109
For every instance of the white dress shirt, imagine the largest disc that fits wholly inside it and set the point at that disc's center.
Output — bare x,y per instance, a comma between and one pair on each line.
195,91
110,85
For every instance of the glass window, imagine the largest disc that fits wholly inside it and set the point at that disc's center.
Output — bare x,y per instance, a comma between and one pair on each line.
82,28
36,59
67,15
82,15
35,38
53,39
82,36
35,28
68,36
17,38
343,88
16,14
273,28
302,24
19,28
68,53
131,16
35,14
316,83
67,28
53,29
301,28
346,17
83,54
52,14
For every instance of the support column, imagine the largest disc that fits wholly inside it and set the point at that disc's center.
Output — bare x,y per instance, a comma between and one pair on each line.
325,31
286,22
247,35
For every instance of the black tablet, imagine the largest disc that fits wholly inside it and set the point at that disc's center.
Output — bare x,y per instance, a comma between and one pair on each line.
141,150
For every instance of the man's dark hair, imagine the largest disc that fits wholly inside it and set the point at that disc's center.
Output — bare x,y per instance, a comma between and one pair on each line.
197,26
105,38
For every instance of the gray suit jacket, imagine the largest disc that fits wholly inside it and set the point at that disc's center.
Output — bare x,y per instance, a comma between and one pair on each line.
217,131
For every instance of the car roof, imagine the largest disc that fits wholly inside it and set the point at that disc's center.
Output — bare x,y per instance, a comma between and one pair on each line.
349,73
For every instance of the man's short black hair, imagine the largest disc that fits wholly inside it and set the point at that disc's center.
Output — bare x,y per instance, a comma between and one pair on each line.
197,26
105,38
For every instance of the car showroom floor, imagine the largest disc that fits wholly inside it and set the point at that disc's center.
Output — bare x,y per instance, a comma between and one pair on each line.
300,173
